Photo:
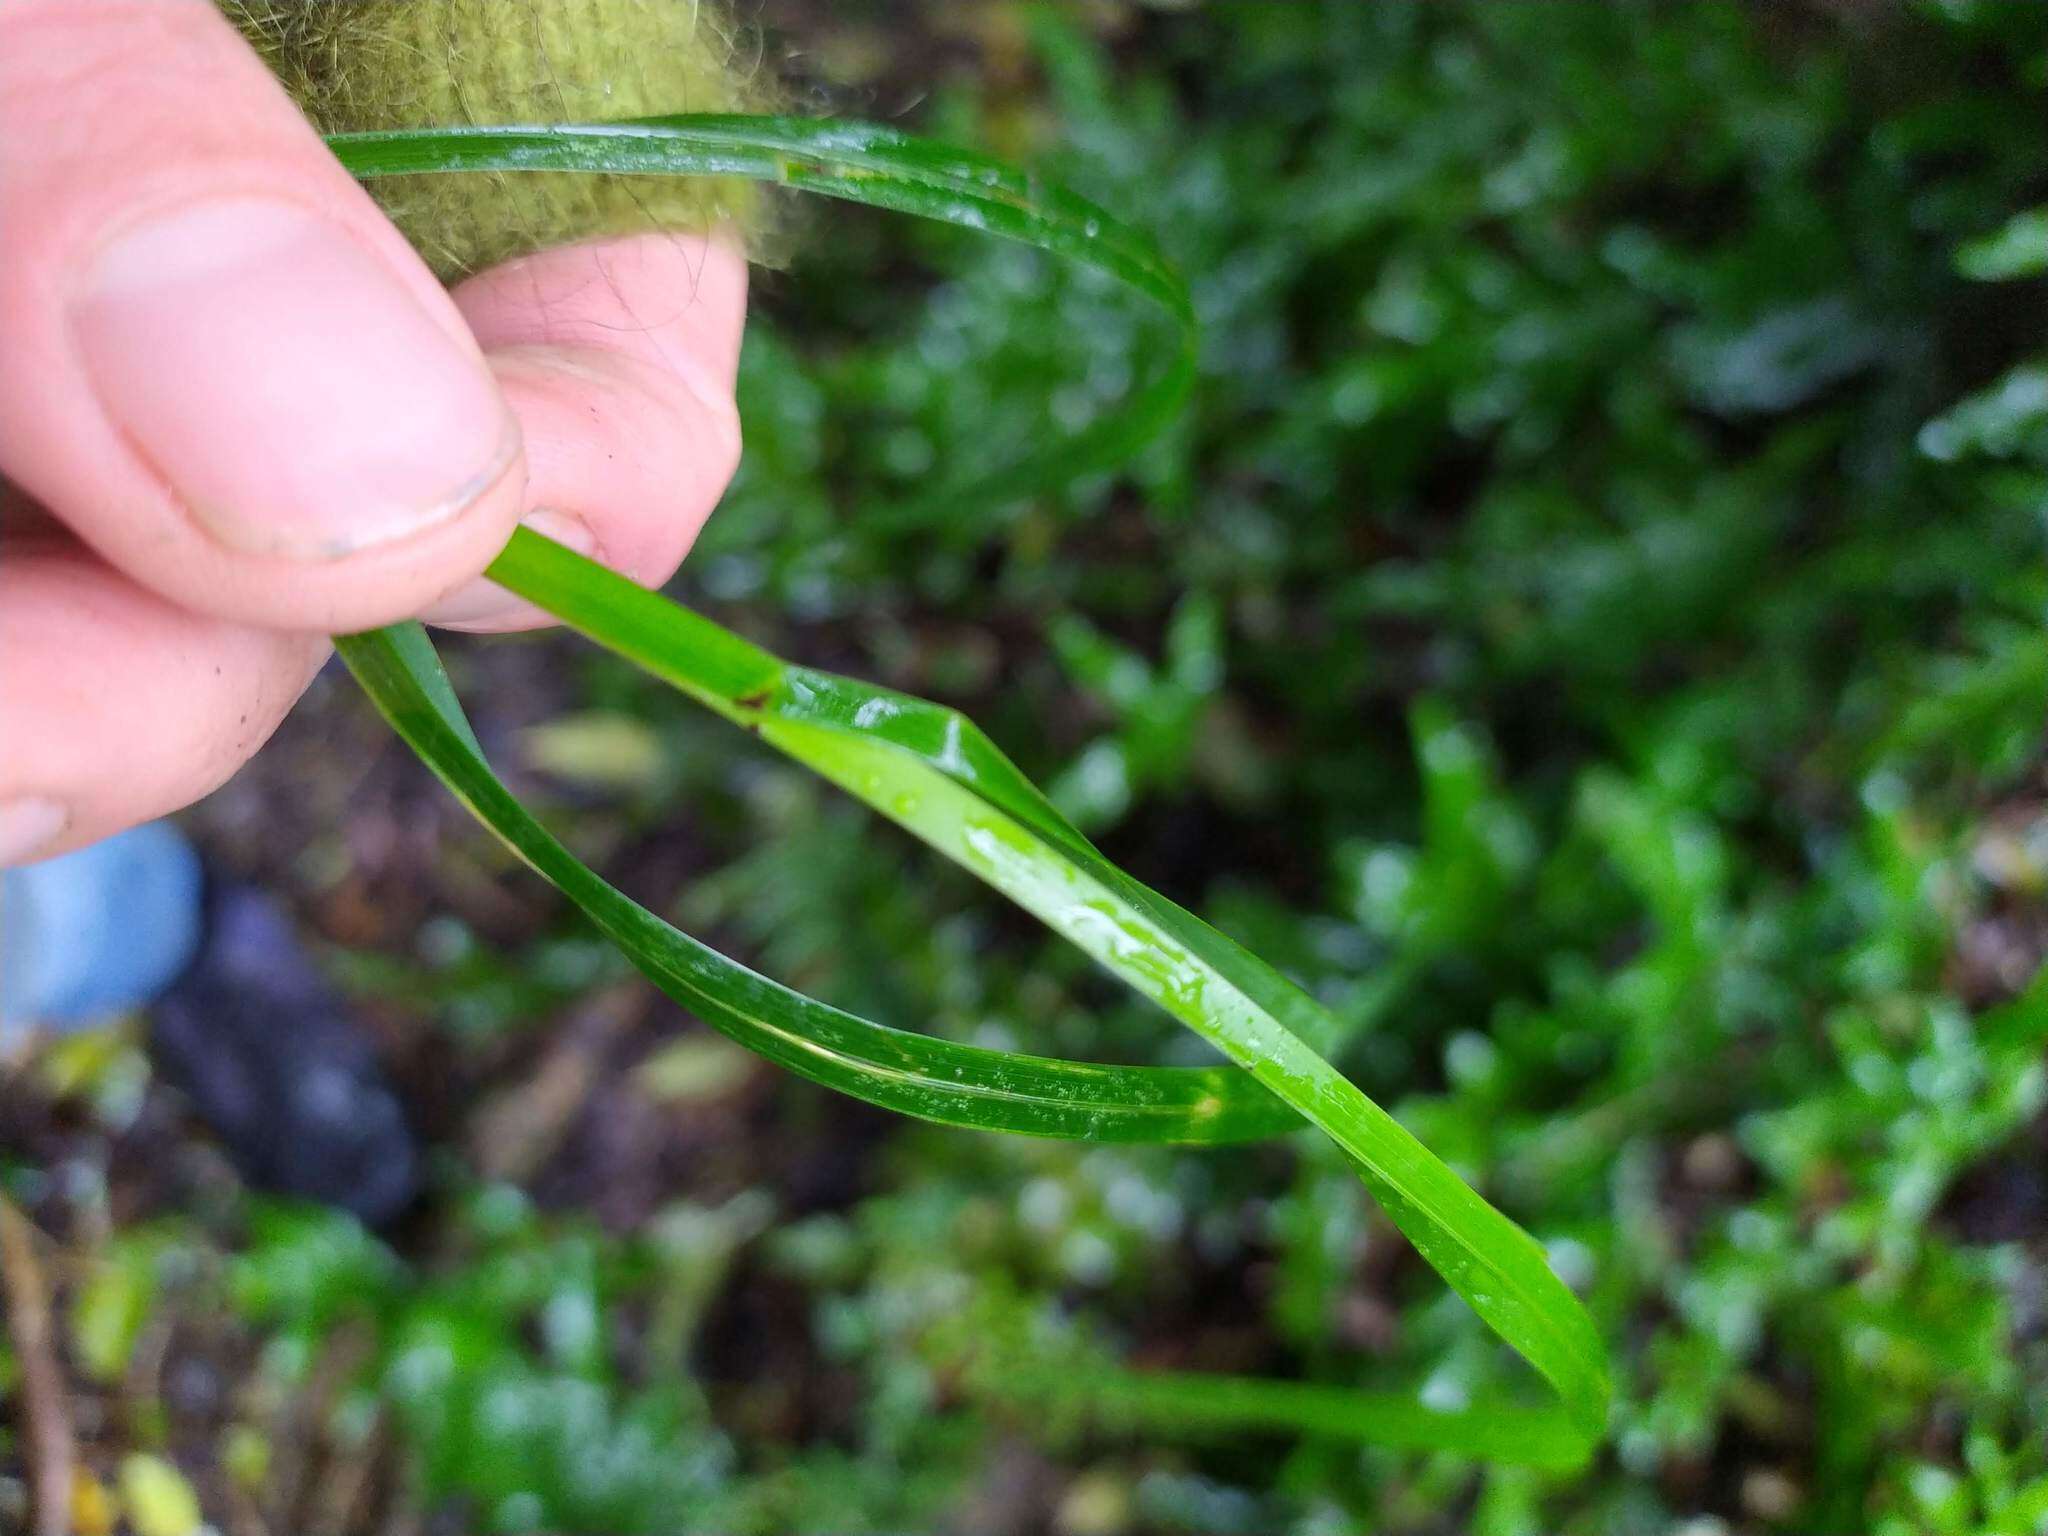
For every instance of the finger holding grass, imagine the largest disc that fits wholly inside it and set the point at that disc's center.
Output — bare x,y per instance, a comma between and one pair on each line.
239,411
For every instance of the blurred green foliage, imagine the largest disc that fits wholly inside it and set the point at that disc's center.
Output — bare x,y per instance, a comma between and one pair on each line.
1589,629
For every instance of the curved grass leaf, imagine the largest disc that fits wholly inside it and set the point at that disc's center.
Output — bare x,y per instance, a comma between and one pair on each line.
862,163
917,1075
932,771
936,775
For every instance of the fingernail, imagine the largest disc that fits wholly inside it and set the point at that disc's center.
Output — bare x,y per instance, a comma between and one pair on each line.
28,825
484,605
290,389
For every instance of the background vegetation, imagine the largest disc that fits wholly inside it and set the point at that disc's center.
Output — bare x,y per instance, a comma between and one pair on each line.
1589,629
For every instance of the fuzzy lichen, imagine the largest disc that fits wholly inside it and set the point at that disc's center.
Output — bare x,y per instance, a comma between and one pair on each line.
354,65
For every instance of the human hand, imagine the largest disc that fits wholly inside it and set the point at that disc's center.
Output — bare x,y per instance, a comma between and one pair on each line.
238,414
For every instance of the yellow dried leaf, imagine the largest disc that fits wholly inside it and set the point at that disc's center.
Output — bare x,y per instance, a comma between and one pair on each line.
157,1498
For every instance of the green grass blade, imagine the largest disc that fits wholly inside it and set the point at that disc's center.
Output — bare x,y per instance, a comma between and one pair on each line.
934,773
862,163
954,1084
1194,1405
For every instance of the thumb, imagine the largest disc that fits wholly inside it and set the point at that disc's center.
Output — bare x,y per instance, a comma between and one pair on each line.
225,370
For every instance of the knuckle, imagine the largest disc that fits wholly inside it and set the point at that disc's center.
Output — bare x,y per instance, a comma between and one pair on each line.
724,438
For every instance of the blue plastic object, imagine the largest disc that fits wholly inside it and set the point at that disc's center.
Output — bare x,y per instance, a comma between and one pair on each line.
99,931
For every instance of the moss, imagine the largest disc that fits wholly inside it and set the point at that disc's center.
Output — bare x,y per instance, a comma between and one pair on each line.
365,64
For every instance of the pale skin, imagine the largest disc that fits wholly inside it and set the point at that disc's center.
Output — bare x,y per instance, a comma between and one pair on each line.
238,415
